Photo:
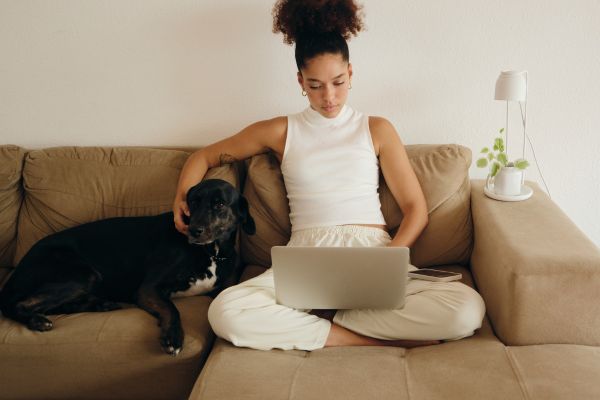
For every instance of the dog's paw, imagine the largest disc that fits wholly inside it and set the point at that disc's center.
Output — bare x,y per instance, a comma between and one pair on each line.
172,340
39,323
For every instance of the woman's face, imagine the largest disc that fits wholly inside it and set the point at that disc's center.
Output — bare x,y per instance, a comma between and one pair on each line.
326,79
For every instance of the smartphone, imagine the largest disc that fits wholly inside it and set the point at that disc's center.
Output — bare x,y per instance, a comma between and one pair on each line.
435,275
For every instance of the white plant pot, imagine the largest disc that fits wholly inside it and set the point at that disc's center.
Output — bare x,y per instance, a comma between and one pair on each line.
507,181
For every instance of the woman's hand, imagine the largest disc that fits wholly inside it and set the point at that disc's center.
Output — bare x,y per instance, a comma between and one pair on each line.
180,211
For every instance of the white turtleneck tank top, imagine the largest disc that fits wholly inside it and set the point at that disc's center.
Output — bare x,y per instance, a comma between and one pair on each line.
330,170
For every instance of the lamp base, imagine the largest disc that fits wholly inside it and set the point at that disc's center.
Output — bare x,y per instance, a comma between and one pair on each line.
526,192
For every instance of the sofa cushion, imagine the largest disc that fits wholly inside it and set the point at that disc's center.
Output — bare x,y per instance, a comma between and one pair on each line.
68,186
478,367
442,171
472,368
108,355
465,369
268,204
557,371
11,166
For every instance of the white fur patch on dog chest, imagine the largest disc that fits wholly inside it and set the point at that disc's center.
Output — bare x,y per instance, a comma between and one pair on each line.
200,286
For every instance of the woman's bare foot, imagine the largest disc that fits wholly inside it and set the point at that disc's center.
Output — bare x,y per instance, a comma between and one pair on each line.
340,336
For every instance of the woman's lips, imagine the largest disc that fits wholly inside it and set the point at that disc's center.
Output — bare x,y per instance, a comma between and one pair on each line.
329,108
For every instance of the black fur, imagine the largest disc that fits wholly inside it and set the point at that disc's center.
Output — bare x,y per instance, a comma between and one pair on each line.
139,260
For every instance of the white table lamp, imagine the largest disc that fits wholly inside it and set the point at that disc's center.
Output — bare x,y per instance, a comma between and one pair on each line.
512,86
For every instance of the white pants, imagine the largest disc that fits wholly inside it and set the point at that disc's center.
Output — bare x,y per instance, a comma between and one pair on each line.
247,314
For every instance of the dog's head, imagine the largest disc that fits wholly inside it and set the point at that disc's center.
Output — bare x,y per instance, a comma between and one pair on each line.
216,209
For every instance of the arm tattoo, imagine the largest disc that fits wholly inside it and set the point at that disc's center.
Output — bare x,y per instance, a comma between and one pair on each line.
226,159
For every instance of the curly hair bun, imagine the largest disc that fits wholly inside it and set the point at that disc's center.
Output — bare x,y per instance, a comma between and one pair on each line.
295,18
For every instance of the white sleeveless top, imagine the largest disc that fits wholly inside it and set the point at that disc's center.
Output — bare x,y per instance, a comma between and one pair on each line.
330,170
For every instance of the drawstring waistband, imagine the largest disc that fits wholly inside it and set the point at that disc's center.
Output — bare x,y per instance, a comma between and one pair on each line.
341,229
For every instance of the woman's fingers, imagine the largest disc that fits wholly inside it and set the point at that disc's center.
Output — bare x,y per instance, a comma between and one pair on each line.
179,211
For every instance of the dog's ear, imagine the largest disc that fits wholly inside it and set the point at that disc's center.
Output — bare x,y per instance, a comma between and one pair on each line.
192,192
246,219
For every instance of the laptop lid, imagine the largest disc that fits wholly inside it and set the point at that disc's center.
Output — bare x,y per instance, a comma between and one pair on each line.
340,277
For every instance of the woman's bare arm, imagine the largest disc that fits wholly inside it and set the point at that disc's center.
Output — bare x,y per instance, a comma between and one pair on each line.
257,138
401,180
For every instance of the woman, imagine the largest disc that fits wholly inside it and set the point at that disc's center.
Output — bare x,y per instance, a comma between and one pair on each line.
330,142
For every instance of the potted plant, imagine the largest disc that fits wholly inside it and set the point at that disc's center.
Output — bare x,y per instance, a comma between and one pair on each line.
498,163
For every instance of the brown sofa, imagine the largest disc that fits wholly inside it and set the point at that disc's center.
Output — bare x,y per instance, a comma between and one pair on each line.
538,274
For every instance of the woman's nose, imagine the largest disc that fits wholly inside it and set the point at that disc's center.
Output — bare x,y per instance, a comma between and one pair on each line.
329,93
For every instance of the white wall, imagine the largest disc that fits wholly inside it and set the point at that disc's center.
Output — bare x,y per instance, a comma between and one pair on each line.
171,73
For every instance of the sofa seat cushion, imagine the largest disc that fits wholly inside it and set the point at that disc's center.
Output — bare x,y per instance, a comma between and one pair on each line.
479,367
442,171
104,355
11,196
362,372
470,368
557,371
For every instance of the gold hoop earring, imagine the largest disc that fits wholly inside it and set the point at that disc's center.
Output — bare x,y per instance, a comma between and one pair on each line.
304,93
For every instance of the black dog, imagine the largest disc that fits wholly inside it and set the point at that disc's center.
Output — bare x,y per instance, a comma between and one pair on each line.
140,260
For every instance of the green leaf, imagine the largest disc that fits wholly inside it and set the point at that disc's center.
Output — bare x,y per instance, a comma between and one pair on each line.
499,142
501,130
482,163
502,159
521,163
485,150
494,169
491,156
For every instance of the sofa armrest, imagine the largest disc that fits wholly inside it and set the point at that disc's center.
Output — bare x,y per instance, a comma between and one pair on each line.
537,272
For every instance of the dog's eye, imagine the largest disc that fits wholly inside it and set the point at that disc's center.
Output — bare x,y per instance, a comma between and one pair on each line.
219,205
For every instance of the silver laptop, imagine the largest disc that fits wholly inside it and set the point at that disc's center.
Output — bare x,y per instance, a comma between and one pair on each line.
340,277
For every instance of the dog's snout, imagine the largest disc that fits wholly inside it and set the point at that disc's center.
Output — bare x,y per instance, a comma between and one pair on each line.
197,231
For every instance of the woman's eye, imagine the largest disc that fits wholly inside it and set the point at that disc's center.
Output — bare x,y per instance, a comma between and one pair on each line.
319,87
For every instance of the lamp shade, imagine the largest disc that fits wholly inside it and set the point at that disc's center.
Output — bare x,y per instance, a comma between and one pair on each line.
511,86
